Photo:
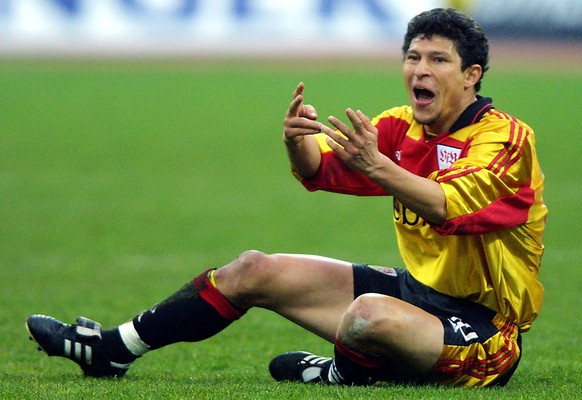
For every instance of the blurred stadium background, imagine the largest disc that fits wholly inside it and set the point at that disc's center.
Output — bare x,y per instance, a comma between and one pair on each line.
190,28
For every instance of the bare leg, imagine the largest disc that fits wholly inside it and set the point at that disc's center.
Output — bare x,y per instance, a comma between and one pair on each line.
313,292
317,294
390,328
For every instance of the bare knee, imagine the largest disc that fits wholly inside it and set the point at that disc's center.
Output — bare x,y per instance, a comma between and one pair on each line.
376,323
389,327
361,323
244,278
250,270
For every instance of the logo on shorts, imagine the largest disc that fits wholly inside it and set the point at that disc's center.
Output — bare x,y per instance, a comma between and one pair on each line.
463,328
385,270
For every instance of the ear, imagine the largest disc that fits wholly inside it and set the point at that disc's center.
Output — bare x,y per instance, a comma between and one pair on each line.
472,75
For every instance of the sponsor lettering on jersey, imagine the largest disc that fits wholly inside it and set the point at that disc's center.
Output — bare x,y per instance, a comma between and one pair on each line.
405,216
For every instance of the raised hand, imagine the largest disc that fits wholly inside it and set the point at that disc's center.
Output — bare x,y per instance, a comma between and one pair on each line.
357,146
300,119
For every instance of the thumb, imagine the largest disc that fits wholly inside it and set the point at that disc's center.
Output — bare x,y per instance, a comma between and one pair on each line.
309,111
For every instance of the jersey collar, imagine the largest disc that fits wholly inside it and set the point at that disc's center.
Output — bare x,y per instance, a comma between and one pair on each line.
473,113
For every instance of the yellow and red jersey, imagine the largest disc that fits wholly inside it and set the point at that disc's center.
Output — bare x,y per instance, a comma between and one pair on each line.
489,249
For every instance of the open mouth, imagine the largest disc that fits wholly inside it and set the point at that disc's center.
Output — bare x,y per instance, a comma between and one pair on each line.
423,95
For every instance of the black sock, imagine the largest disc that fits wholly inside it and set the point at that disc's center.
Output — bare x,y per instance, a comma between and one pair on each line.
114,347
195,312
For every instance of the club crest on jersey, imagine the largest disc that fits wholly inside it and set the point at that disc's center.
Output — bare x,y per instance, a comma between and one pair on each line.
447,155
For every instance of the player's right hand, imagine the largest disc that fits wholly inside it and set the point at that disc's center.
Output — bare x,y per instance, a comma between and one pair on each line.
301,119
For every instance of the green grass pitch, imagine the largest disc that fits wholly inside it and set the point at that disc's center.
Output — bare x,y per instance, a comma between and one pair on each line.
119,181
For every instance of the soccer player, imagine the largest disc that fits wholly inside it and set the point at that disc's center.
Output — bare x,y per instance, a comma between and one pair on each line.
469,217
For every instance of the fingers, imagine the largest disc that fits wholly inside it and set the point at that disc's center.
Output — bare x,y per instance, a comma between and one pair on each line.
361,125
299,89
340,126
300,119
336,141
357,123
351,143
297,102
301,129
367,123
333,141
349,135
360,122
295,106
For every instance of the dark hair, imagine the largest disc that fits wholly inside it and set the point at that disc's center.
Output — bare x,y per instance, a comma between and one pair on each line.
467,35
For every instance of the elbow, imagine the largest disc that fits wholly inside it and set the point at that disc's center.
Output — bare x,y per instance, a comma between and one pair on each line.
437,220
439,209
302,172
440,215
436,214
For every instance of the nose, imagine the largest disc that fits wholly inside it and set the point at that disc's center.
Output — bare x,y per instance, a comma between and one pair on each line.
422,68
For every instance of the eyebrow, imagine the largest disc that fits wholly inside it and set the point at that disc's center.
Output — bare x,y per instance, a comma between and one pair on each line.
431,53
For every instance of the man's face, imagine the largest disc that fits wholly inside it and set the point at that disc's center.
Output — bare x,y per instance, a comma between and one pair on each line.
438,89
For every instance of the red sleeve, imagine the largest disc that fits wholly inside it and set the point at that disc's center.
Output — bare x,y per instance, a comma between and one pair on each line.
335,176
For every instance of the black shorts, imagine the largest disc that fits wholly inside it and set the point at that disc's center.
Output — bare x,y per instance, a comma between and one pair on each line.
470,329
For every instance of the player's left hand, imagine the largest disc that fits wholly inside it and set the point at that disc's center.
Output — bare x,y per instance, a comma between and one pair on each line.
358,147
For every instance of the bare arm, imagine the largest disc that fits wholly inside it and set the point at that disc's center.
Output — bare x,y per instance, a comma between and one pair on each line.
298,127
359,150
